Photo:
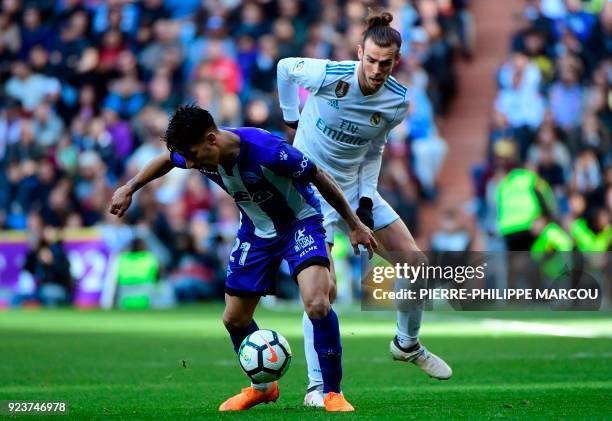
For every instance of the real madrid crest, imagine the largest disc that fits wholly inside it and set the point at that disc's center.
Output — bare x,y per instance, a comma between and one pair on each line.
375,119
342,88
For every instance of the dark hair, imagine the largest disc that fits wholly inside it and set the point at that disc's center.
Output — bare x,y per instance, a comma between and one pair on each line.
187,126
379,31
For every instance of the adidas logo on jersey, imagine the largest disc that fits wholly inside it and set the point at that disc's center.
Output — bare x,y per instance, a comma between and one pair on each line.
334,104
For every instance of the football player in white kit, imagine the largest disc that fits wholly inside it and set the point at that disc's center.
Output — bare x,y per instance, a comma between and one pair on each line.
343,128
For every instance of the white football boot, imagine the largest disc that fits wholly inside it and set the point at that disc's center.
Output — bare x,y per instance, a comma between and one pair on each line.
430,363
314,397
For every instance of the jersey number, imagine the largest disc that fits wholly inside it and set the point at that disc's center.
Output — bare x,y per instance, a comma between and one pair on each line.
245,250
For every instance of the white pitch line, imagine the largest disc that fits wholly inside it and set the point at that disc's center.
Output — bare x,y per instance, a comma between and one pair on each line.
537,328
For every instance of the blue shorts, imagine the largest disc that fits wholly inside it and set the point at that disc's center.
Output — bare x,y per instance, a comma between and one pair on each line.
254,261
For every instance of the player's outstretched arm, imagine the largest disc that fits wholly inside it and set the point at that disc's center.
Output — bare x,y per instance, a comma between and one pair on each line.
122,198
331,192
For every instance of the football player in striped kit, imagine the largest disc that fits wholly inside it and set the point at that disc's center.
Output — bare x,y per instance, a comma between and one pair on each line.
280,218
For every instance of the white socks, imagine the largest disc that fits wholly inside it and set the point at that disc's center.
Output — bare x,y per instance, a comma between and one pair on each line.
408,326
315,378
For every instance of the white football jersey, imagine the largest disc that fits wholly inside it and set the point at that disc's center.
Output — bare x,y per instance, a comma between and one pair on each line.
340,129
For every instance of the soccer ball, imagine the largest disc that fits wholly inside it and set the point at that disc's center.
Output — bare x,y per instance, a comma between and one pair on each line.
264,356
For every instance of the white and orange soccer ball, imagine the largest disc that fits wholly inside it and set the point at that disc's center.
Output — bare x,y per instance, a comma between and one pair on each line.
264,356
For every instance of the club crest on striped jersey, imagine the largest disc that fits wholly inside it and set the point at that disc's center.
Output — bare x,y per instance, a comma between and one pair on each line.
342,88
375,119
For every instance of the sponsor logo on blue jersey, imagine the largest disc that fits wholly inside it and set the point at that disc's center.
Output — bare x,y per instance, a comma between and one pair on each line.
303,166
303,242
257,197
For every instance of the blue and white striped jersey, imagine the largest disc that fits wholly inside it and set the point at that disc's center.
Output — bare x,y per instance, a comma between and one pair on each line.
269,181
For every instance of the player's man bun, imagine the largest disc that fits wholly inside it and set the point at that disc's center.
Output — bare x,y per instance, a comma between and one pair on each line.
379,29
378,17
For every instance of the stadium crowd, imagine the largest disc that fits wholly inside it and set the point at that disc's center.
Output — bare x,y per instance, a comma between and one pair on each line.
546,184
88,86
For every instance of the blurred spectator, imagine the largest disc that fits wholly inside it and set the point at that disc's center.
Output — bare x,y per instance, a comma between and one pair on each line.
220,68
47,125
195,276
439,64
575,20
521,103
566,98
26,149
587,172
49,266
161,94
10,127
126,96
10,38
165,51
593,135
263,73
452,236
30,88
33,31
600,42
548,143
398,187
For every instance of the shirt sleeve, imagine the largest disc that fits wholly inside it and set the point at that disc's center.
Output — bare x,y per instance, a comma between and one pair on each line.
290,162
308,73
178,160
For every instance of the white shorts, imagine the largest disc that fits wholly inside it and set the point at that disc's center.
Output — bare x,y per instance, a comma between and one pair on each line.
384,214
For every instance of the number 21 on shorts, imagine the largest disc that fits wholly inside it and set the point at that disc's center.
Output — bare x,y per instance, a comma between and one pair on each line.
243,255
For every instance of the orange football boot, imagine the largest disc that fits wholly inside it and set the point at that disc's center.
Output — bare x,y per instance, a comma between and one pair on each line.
336,402
249,397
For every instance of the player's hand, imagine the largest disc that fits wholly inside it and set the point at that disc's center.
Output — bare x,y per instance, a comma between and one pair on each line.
360,234
364,212
121,201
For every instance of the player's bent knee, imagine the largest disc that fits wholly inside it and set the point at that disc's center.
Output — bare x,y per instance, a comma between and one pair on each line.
317,307
421,258
416,258
235,322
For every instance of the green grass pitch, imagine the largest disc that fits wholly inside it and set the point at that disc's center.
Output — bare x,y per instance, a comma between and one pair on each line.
130,365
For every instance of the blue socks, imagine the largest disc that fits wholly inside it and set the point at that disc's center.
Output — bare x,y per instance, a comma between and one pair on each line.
326,334
238,335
